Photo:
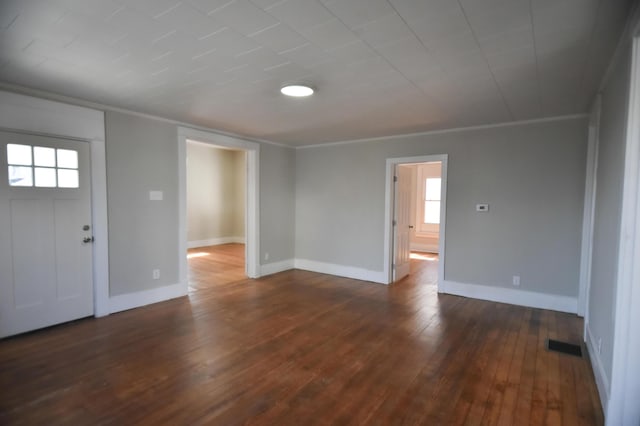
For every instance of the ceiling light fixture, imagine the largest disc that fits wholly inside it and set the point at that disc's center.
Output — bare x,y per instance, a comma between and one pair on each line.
297,90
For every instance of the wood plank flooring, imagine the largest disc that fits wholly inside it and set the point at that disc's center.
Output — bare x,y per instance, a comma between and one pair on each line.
301,348
215,265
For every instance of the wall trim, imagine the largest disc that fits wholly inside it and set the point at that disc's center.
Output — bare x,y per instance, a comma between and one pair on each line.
341,270
275,267
529,299
215,241
450,130
15,88
123,302
602,381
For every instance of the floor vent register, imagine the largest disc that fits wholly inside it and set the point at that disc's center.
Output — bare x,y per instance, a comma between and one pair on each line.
564,347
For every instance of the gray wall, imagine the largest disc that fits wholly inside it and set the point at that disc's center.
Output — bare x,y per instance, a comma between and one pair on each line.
608,208
277,206
532,176
215,192
142,155
143,235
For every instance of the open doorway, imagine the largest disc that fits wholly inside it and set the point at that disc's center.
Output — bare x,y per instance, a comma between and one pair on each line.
251,152
415,212
424,182
216,216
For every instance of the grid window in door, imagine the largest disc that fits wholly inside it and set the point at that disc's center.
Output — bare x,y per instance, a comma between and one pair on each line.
42,167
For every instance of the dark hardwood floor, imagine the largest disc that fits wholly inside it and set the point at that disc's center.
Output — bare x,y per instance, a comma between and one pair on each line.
301,348
215,265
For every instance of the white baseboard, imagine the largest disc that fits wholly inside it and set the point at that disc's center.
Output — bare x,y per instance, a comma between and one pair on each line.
514,297
602,381
341,270
215,241
274,268
427,248
124,302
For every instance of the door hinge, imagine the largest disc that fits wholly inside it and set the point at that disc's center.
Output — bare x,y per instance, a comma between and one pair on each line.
394,223
395,178
393,265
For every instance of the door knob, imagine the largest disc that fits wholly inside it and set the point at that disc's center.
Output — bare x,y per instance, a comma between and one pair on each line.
86,240
410,226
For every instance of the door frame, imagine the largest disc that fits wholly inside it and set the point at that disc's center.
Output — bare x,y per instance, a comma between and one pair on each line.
41,117
622,407
389,201
588,215
252,214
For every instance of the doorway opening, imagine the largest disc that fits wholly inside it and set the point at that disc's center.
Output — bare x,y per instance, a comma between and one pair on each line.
216,216
244,152
415,218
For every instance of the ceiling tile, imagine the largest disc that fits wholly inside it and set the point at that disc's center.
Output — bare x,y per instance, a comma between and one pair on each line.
385,30
279,38
356,13
300,14
308,55
442,25
191,21
510,16
152,8
353,52
523,57
209,6
137,25
455,45
329,35
417,9
507,41
244,17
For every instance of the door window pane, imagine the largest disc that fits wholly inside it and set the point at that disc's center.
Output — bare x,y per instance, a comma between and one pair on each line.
45,177
67,159
20,176
68,178
45,157
19,155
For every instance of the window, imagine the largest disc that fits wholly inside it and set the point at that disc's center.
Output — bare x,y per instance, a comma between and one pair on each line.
42,167
432,201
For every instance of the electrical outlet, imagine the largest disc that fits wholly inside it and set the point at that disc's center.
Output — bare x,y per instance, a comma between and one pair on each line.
516,280
266,255
156,274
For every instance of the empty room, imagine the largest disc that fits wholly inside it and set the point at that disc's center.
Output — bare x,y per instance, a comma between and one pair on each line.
280,212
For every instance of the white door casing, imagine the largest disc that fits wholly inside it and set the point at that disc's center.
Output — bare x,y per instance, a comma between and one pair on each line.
402,223
47,269
252,219
389,239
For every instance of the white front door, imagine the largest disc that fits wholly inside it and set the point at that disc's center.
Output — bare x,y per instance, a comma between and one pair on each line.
402,220
45,232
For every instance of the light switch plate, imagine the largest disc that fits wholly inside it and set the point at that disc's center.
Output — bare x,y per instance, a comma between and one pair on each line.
156,195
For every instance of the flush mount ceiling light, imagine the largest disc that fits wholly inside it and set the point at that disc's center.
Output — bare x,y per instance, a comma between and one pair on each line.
297,90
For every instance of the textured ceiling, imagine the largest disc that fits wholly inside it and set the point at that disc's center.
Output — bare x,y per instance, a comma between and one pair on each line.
381,67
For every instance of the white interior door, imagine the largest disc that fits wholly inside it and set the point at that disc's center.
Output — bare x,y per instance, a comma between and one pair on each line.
45,232
402,221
